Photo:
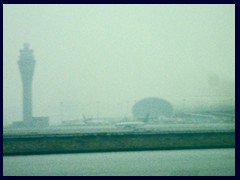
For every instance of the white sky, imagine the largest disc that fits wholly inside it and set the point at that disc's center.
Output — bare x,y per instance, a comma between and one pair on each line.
117,54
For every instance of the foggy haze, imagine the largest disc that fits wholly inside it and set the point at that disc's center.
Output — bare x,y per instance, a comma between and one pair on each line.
98,60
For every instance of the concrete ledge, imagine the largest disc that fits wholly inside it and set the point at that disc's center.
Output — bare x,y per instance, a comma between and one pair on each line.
107,142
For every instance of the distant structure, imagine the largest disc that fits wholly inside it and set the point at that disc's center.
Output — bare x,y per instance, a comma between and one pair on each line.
152,108
26,65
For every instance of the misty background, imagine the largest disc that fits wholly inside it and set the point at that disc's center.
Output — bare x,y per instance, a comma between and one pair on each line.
98,60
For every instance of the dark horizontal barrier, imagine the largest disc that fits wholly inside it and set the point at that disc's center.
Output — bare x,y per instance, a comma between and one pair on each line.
107,142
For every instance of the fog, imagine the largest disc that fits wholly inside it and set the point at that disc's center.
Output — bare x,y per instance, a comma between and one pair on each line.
98,60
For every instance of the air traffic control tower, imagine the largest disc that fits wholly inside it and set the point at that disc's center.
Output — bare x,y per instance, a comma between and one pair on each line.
26,65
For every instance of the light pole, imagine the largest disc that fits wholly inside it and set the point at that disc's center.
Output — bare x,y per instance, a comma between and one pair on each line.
61,111
127,108
98,102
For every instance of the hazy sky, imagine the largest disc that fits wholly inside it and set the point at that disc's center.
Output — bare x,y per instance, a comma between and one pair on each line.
117,54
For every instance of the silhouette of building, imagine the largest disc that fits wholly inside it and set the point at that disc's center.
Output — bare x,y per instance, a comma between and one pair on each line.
26,65
152,108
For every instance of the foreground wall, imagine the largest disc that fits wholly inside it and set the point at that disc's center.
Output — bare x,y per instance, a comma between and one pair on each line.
100,142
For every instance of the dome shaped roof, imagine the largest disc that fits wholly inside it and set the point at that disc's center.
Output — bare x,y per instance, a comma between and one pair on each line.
152,108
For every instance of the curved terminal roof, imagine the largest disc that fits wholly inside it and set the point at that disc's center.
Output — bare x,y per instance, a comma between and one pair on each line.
152,108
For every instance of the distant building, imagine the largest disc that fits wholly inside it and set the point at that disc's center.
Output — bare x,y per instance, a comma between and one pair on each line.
26,65
40,122
152,108
75,122
36,122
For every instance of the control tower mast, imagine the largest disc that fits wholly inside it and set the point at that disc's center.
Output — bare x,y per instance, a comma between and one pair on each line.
26,65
